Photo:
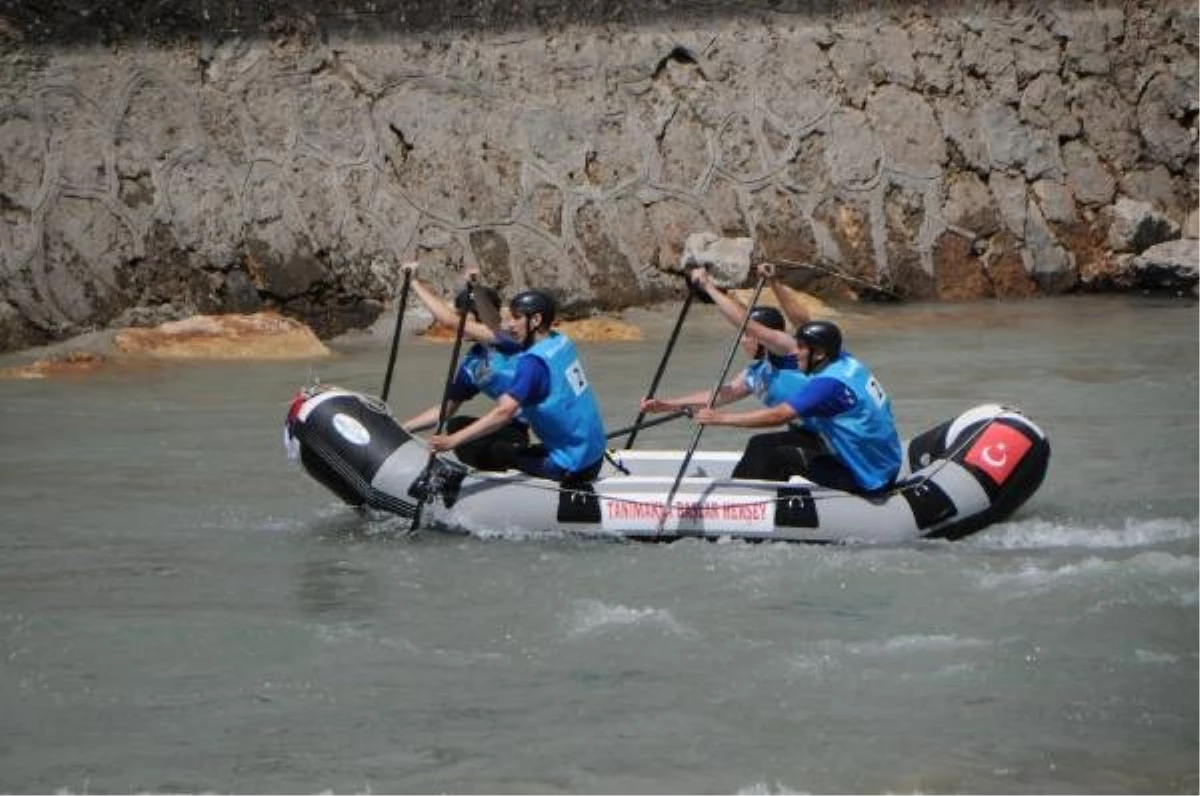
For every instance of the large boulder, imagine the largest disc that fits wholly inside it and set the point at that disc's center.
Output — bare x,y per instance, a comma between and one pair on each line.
1170,266
264,335
1136,226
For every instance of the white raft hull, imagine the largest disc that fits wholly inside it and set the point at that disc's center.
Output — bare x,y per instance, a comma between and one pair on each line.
959,477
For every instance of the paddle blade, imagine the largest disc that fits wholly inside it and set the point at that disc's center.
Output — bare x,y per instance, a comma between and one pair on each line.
728,259
489,313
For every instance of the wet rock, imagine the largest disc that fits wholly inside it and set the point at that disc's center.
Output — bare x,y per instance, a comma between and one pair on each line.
1170,266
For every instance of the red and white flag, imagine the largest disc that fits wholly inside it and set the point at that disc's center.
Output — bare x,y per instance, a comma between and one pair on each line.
997,451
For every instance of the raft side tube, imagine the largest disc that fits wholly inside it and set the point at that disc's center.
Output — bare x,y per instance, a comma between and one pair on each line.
346,439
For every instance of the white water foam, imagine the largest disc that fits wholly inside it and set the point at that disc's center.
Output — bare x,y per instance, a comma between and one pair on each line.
832,653
913,644
1039,534
1152,569
591,616
765,789
1150,656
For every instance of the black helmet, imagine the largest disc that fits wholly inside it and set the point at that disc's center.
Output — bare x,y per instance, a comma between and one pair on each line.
768,317
821,335
534,302
489,295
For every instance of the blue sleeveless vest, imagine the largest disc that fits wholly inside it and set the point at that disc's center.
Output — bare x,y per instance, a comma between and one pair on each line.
568,420
770,384
864,436
488,370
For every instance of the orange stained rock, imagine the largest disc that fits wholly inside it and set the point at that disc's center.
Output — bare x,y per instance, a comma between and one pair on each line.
585,330
260,336
74,363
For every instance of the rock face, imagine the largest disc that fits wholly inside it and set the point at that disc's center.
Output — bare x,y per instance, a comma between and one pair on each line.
290,155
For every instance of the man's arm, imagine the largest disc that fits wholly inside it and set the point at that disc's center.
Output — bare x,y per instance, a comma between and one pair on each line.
505,409
461,390
726,394
444,312
776,415
789,300
428,418
734,311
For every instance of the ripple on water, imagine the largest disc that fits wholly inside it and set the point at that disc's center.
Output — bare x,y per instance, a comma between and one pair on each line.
592,616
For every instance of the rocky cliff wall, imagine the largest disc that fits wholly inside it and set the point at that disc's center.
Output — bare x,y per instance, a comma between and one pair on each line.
233,155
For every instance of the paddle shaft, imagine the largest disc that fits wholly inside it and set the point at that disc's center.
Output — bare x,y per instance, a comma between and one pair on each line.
458,339
712,400
441,424
387,379
662,366
658,421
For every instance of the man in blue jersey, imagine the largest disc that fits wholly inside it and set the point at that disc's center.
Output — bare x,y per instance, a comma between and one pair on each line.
550,390
843,403
487,367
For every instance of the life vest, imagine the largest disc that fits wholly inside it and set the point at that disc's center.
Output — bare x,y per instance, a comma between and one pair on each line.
864,436
488,370
771,384
568,419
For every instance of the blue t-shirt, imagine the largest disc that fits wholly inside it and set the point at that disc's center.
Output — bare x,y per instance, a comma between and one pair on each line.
822,397
531,382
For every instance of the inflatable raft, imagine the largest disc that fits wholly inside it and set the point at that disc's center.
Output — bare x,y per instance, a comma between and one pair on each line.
959,477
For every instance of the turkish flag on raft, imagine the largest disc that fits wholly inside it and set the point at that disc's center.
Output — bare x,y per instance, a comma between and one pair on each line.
997,451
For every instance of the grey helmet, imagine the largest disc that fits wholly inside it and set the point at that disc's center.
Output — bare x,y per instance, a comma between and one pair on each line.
823,336
768,316
534,302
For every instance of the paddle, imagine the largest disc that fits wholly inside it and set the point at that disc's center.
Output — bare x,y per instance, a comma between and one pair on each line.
662,366
712,399
489,313
441,423
387,379
649,423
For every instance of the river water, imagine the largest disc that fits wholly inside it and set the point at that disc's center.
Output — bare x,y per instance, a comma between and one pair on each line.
184,610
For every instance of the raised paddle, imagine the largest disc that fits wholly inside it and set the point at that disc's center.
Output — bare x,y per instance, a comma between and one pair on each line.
387,379
662,366
712,399
489,313
441,423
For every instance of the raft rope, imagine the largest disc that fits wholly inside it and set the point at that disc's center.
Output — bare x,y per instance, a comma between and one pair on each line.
817,491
